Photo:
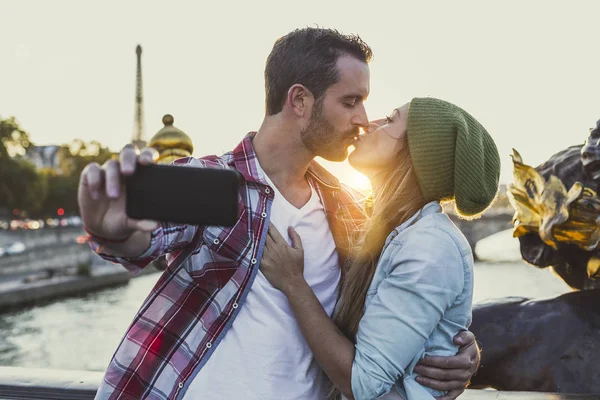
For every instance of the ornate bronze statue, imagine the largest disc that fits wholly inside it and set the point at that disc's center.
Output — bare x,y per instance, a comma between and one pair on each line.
557,218
170,142
545,345
552,344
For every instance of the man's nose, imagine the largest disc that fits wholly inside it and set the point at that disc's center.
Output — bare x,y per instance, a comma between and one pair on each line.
360,119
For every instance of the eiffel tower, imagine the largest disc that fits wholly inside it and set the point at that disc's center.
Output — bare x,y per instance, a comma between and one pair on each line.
138,135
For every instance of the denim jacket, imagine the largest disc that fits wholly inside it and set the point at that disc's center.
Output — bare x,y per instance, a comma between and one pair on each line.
419,299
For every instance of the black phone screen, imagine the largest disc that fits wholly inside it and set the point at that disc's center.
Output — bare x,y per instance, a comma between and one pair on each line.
182,194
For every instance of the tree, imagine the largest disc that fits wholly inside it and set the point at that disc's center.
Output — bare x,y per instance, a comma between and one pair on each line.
13,140
78,154
42,193
20,185
62,193
62,188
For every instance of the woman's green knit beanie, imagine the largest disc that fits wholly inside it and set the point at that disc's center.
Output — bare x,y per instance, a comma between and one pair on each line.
453,155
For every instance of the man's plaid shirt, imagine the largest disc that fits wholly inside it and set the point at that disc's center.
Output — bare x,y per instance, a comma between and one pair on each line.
196,299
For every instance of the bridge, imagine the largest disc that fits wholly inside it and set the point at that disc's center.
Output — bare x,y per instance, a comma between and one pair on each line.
493,221
46,240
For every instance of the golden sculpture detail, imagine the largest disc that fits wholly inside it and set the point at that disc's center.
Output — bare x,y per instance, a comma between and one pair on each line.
557,215
171,142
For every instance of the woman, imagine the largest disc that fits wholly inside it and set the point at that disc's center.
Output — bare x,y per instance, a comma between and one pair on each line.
409,289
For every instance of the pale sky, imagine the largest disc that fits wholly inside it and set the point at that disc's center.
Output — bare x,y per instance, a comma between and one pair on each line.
527,70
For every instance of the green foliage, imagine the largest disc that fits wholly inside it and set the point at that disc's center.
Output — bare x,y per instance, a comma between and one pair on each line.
20,184
62,187
62,193
13,139
84,269
42,192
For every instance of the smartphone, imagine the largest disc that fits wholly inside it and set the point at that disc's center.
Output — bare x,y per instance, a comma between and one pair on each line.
180,194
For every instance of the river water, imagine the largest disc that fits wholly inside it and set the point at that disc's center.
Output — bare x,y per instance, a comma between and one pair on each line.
82,333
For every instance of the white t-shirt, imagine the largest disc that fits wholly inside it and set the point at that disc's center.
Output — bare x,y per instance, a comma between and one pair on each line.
264,355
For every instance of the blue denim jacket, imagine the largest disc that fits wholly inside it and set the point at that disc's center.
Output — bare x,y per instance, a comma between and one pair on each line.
419,299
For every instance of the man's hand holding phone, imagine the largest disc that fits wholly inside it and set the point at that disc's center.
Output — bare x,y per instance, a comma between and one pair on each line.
121,202
102,203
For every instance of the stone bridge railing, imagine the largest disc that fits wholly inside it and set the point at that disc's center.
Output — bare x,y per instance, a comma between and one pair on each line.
491,222
29,383
41,237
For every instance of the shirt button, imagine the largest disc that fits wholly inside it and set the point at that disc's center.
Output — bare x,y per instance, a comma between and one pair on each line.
264,215
216,241
235,305
208,345
253,261
180,385
267,190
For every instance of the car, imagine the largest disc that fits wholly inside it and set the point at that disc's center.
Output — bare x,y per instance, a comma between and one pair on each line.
15,248
75,221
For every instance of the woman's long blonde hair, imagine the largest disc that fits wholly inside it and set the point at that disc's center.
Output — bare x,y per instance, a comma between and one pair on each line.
395,201
398,198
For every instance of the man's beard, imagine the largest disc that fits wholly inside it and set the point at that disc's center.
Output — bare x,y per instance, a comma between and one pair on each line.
323,140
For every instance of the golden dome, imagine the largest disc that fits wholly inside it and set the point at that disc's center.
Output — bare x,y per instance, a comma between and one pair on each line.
170,142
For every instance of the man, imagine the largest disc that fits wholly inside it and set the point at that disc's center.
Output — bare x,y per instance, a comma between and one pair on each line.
213,327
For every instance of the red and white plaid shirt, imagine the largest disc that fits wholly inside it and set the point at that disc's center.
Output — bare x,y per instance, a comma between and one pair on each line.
196,299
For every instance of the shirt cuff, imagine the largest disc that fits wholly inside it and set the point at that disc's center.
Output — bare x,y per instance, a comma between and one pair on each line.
137,263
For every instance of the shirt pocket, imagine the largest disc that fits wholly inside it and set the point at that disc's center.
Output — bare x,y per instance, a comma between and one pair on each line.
222,251
231,243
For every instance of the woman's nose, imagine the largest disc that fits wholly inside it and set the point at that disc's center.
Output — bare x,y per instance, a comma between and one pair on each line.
371,127
378,122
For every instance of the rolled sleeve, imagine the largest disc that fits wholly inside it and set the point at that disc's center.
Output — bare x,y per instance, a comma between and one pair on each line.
165,239
426,278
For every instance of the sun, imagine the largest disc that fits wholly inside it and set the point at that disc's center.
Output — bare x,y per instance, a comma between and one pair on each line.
346,174
358,181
